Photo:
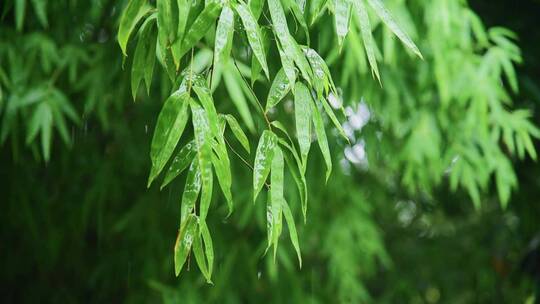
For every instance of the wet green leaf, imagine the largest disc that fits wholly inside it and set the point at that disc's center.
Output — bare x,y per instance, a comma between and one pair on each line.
224,35
365,27
292,230
263,160
180,162
186,235
233,84
276,196
278,90
385,16
302,115
144,59
253,34
237,131
191,190
133,13
321,138
169,128
342,15
204,156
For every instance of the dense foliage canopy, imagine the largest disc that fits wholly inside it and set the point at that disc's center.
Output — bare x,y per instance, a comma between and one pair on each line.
360,130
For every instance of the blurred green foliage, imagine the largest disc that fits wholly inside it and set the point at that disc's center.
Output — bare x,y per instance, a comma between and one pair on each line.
416,209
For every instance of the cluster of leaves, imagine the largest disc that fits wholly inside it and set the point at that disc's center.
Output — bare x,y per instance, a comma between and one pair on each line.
449,115
40,75
179,27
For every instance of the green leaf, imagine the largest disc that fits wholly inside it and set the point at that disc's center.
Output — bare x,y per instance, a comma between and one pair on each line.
333,118
233,84
285,41
191,190
278,90
169,128
385,16
204,156
253,34
276,196
180,162
223,173
321,138
199,256
342,15
198,29
133,13
40,7
20,11
186,235
263,160
292,230
144,59
367,37
205,97
302,115
237,131
224,36
208,247
256,7
183,7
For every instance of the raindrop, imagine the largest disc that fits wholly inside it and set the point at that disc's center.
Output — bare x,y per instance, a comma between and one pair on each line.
259,275
146,129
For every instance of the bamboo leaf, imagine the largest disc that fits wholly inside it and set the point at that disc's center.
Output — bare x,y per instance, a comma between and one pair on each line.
224,35
237,131
276,195
180,162
292,230
253,34
198,29
184,240
191,190
367,37
342,15
385,16
169,128
144,59
208,247
233,85
263,160
204,156
133,13
321,138
302,115
20,11
278,90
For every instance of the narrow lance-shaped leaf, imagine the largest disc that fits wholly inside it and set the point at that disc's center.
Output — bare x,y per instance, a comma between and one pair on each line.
191,190
365,27
287,52
40,7
232,83
256,7
276,189
263,160
184,240
292,230
237,131
333,118
385,16
278,90
208,247
198,29
321,138
204,155
180,162
224,35
198,251
169,128
302,115
144,59
205,97
342,16
253,34
166,25
222,167
135,10
20,11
